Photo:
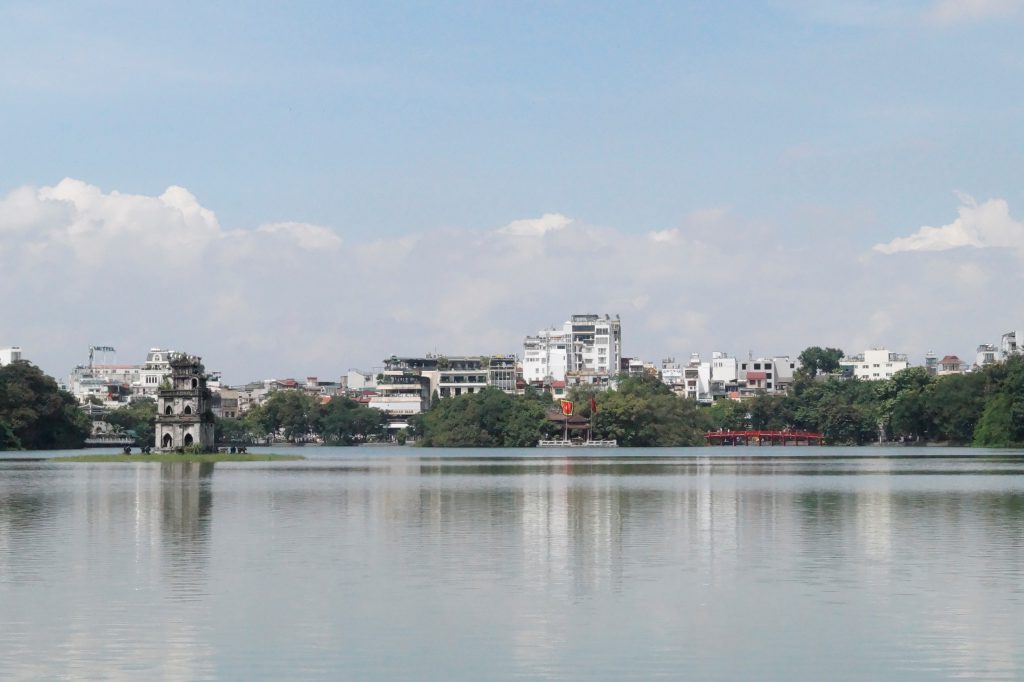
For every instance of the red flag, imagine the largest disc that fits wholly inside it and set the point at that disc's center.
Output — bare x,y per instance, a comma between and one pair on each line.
593,405
566,407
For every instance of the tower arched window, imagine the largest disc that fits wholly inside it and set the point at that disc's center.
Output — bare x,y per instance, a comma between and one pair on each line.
188,409
168,410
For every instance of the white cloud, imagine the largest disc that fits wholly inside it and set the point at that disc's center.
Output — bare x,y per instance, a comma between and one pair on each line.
309,237
81,266
950,12
537,227
669,236
986,225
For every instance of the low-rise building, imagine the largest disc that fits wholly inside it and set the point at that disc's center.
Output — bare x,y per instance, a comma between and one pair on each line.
405,385
875,364
9,354
502,371
987,354
950,364
767,374
1011,343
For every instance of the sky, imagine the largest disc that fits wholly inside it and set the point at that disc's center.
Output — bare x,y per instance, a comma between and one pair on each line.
295,189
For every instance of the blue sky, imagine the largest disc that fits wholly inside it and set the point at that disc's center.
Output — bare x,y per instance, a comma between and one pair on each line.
792,136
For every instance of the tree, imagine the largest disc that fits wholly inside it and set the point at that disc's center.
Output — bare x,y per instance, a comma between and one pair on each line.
643,412
35,414
728,415
954,407
234,431
996,428
770,412
345,422
293,413
489,418
138,417
902,403
816,360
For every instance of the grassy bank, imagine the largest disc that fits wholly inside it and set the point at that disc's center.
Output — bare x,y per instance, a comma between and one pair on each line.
174,457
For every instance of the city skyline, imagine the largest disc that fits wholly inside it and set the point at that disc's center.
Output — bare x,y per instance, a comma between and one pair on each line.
289,190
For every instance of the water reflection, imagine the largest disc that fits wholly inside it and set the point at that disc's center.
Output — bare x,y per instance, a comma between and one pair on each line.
185,502
553,567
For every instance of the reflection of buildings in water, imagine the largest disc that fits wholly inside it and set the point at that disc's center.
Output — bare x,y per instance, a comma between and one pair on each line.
109,530
172,506
571,528
716,517
186,500
874,526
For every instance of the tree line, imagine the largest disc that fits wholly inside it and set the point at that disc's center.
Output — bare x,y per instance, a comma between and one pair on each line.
35,414
300,417
983,408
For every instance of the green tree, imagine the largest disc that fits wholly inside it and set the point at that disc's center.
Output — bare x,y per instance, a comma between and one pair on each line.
235,431
728,415
955,405
643,412
345,422
770,412
291,413
816,360
137,417
489,418
902,403
35,414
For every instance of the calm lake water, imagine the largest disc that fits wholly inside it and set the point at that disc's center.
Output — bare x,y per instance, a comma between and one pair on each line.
401,563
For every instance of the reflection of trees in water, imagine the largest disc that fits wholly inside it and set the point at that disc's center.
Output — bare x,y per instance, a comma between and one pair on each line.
185,504
24,514
839,528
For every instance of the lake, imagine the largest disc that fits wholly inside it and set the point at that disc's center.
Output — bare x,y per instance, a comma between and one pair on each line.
794,563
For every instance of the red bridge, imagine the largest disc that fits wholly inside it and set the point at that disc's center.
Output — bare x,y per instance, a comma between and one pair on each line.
763,438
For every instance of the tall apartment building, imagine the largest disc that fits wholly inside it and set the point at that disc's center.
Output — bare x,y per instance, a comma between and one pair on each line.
586,346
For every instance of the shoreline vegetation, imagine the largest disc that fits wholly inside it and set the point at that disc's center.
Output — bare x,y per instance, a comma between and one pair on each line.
165,457
983,408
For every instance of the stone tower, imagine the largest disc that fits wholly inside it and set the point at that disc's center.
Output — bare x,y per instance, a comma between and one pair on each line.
183,416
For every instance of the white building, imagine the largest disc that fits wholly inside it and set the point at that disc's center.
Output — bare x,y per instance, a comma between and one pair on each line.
356,380
1010,344
545,356
153,372
875,364
771,375
111,382
9,354
988,354
586,346
724,368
